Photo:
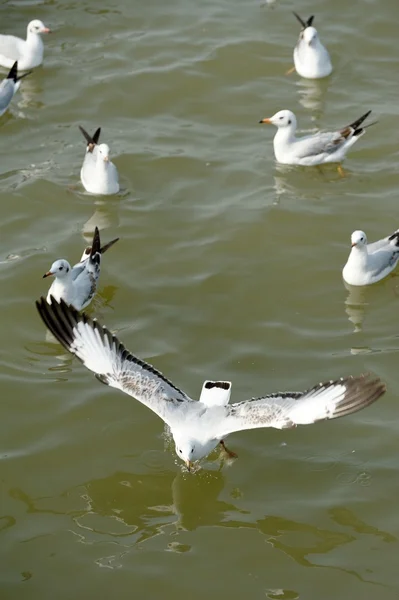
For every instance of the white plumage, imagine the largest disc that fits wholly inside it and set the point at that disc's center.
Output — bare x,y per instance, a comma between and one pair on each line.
317,149
198,427
29,52
369,263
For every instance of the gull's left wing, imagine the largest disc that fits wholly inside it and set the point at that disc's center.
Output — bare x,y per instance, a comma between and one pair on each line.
103,354
328,400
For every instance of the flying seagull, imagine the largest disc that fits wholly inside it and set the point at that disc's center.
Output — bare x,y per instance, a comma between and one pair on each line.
199,426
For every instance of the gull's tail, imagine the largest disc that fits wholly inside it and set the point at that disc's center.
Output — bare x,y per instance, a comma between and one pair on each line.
215,393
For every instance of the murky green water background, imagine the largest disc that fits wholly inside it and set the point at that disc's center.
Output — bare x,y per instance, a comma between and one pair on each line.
228,267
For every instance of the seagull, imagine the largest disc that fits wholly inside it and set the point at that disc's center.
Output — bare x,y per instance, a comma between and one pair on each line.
369,263
9,86
316,149
311,58
98,174
78,284
29,52
199,426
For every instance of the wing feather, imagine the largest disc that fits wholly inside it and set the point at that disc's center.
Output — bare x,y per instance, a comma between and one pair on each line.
328,400
103,354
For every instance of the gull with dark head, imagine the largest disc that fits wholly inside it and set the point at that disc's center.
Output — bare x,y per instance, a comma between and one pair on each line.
198,427
98,173
78,284
9,86
29,52
311,58
369,263
316,149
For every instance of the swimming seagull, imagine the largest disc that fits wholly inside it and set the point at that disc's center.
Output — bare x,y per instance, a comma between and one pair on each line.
199,427
316,149
9,86
29,52
98,174
369,263
311,58
78,284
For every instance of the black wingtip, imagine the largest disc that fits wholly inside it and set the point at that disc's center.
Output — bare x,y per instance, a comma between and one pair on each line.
13,74
108,245
91,141
96,135
96,244
302,22
356,124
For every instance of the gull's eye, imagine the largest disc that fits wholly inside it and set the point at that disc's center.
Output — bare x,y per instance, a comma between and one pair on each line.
192,450
289,121
67,270
281,118
61,268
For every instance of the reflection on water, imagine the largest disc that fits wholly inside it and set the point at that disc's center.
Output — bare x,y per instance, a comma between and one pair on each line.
355,305
312,95
127,510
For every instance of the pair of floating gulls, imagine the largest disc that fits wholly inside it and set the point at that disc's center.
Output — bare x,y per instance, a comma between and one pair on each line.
29,52
369,263
77,285
198,427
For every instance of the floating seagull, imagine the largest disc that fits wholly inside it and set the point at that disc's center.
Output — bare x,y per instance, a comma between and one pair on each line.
29,52
78,284
369,263
98,174
317,149
9,86
199,427
311,59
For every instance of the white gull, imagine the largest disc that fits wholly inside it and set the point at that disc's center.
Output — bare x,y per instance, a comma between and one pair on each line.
369,263
98,173
29,52
316,149
311,58
78,284
199,426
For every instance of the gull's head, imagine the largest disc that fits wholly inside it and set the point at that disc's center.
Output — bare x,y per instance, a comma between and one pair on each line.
282,118
310,36
60,268
358,239
37,27
189,450
103,152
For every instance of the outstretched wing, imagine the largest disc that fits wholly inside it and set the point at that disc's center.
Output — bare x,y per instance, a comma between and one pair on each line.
324,401
102,353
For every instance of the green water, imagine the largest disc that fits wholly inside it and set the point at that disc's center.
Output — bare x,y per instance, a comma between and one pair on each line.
227,267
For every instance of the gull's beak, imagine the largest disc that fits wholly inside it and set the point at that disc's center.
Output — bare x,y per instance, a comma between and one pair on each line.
354,244
48,274
189,465
106,158
46,30
90,147
268,121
